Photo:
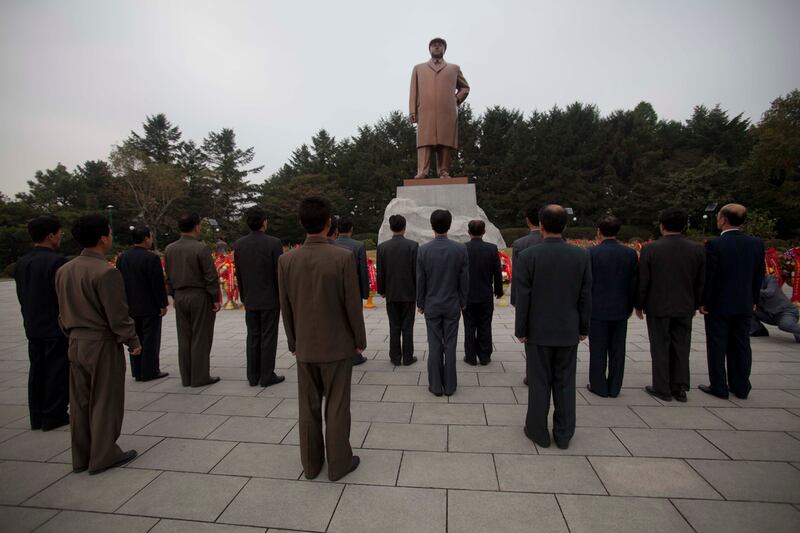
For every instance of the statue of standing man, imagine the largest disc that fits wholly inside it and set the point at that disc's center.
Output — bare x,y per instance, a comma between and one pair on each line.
437,89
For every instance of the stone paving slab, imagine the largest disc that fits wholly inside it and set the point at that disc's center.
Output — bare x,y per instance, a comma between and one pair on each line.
448,470
739,517
83,522
589,514
659,478
224,458
396,509
102,493
284,504
184,495
470,511
554,474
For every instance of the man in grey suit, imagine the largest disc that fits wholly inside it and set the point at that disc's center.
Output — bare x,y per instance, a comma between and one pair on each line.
256,258
774,308
442,289
534,237
346,240
553,313
397,282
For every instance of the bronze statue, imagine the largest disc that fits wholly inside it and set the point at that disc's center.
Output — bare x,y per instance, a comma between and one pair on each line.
437,89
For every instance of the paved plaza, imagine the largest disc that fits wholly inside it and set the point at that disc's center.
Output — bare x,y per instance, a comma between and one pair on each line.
224,458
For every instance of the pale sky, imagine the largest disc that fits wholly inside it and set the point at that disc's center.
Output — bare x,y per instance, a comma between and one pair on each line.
76,76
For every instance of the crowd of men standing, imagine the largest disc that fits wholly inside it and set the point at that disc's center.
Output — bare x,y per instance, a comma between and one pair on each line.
77,319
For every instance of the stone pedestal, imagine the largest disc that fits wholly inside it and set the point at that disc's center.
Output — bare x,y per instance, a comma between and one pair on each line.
419,198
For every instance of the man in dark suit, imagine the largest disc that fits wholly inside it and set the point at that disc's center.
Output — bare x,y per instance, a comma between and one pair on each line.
442,288
613,283
345,240
733,282
48,377
147,301
553,312
485,280
256,258
397,282
93,312
671,274
776,309
324,322
193,282
532,238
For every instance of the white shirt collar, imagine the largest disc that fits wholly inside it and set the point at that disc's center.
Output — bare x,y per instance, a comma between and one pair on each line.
730,229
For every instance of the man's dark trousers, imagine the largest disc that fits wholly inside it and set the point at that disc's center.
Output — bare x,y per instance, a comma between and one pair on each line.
442,340
401,326
551,368
146,366
478,331
670,342
607,349
262,343
728,337
48,382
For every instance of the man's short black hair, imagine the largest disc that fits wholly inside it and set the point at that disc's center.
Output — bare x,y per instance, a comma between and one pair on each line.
476,228
734,217
553,219
674,219
532,215
40,227
397,223
609,225
88,229
255,218
139,234
345,224
314,212
441,220
188,222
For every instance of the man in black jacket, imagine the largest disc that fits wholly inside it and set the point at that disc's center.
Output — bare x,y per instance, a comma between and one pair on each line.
532,238
671,273
613,282
554,308
733,282
397,282
345,240
48,377
256,258
147,301
485,280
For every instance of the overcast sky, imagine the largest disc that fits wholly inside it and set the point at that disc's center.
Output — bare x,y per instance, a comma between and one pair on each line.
77,76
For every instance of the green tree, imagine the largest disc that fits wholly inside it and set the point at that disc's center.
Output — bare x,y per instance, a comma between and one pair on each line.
161,141
146,187
226,164
771,175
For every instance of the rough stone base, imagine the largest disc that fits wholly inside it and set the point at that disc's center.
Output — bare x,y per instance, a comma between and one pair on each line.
418,202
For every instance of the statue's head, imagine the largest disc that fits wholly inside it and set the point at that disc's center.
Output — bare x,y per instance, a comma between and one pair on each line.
437,47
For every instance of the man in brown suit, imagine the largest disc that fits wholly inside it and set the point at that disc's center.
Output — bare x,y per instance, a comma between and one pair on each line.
193,283
324,323
94,314
437,89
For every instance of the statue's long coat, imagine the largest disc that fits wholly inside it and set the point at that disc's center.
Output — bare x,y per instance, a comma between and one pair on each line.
436,91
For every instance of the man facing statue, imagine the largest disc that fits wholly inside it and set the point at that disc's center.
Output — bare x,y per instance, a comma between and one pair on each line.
437,89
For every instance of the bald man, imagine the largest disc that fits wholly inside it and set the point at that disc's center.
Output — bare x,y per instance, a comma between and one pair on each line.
734,272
